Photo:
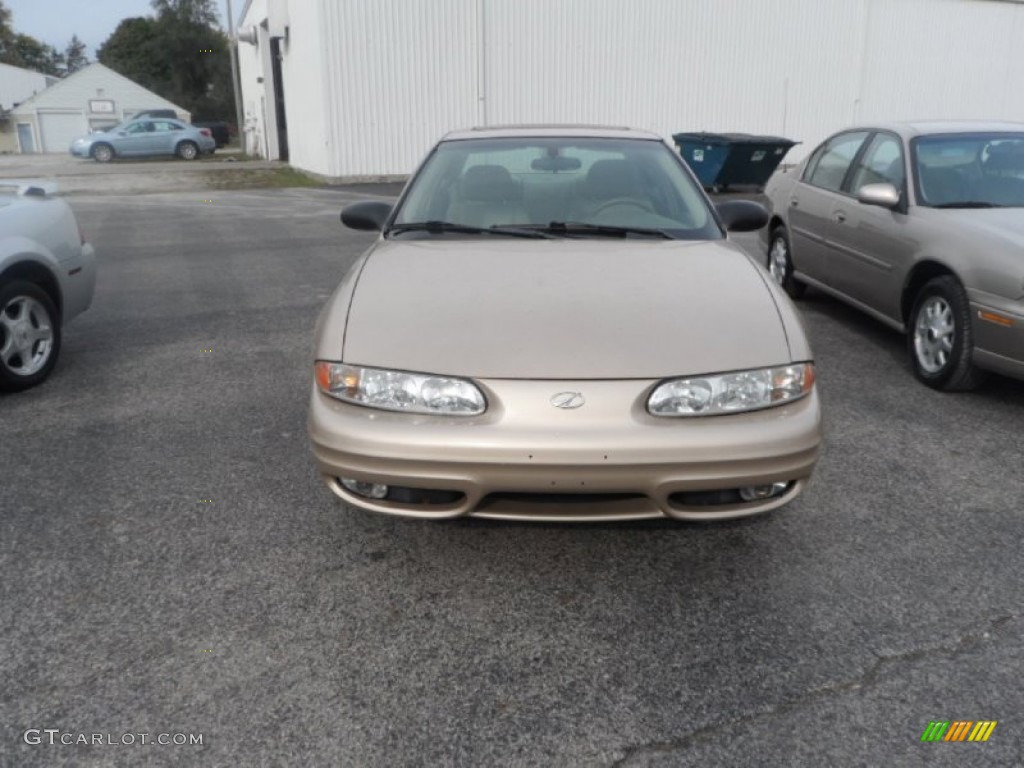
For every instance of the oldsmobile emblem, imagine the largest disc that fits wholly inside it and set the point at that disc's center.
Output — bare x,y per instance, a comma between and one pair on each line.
568,400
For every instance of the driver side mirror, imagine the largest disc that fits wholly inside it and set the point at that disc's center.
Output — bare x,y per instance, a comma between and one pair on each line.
368,215
883,195
742,215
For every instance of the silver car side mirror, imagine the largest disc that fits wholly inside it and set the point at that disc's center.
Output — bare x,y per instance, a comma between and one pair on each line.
884,195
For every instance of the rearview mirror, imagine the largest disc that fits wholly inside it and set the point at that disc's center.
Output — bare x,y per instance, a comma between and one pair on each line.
368,215
556,163
742,215
884,195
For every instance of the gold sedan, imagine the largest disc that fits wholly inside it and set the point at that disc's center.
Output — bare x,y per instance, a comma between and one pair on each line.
553,324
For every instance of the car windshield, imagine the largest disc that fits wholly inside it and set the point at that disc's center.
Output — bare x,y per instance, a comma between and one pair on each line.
569,187
970,170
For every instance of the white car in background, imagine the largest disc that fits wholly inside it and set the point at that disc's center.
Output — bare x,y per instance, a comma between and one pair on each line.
47,277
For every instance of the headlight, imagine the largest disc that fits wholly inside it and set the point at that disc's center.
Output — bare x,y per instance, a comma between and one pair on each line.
399,391
731,392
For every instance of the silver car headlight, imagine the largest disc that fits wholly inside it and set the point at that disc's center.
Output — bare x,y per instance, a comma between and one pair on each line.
731,392
398,390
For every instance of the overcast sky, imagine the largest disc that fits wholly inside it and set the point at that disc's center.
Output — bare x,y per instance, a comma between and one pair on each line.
55,21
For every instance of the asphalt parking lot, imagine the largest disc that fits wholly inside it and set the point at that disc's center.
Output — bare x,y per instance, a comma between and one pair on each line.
170,562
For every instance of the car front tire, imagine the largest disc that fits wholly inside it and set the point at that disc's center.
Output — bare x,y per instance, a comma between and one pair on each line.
939,337
29,336
103,153
780,263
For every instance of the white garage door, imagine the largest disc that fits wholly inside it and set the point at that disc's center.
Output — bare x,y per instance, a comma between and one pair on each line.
59,130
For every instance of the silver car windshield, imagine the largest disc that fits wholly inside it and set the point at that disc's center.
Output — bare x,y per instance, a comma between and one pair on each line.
970,170
575,186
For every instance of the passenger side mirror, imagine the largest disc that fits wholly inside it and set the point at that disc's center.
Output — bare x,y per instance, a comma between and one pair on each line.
742,215
368,215
883,195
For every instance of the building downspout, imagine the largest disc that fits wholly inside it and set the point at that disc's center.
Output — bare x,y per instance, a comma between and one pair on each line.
481,64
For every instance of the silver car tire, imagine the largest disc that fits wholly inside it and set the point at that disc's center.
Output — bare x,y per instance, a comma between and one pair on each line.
29,336
780,263
102,153
187,150
940,338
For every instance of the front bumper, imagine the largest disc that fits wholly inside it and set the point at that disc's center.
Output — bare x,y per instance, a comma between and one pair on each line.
526,460
998,330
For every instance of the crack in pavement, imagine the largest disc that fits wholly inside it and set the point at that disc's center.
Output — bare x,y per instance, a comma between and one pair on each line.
864,681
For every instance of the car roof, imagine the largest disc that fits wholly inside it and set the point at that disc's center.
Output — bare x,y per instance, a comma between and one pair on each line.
552,130
910,128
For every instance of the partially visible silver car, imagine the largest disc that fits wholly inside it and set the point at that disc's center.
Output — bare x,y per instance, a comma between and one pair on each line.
920,225
47,276
148,136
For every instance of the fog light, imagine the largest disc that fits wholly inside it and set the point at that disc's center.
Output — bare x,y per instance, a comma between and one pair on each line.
364,489
762,492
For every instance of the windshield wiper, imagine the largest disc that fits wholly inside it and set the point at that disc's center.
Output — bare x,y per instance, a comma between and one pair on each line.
969,204
441,227
607,230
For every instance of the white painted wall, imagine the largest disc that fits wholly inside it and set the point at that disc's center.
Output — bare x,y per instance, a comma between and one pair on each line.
371,84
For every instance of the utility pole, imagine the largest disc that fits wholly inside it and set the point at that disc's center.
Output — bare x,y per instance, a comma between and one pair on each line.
236,80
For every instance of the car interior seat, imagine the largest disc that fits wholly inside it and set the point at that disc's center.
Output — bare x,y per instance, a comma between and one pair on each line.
487,195
609,180
944,185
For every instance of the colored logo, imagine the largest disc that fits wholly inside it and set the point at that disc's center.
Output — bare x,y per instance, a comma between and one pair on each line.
959,730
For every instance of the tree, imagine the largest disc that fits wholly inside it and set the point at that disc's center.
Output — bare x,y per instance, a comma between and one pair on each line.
179,53
133,49
198,12
74,55
29,53
6,31
25,51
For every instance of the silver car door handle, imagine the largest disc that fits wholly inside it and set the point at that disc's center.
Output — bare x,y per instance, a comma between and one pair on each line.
839,216
794,203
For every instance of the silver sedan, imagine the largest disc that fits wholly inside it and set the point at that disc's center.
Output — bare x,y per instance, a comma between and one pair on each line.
146,137
47,276
920,225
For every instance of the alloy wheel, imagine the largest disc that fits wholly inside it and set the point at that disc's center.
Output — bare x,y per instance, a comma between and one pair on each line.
26,336
778,260
934,334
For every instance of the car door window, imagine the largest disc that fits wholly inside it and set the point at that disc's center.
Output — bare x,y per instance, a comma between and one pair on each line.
882,163
834,162
163,126
136,129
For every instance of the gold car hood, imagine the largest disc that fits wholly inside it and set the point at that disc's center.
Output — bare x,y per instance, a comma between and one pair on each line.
560,309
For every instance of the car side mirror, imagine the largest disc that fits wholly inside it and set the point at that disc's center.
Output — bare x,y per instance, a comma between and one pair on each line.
367,215
742,215
883,195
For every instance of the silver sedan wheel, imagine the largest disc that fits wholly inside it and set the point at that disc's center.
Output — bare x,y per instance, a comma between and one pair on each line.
934,334
103,153
188,151
26,336
778,260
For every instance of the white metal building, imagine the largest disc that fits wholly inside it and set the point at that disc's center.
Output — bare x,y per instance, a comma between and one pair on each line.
16,86
361,88
93,97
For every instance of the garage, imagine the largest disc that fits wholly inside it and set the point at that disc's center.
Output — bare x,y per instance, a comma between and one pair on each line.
59,129
91,98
